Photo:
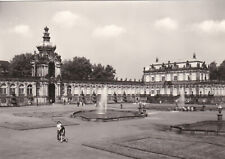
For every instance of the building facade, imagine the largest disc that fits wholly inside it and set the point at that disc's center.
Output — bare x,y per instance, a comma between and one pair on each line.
190,78
47,86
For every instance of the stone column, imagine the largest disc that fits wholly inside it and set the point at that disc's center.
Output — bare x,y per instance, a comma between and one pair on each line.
72,89
17,89
25,89
34,89
65,90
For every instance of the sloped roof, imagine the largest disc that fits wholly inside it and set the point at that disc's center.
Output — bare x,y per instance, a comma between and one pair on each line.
4,63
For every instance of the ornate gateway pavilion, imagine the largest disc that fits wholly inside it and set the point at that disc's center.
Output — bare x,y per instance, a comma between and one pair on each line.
161,83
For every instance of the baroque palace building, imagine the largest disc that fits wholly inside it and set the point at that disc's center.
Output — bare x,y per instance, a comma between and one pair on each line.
190,78
160,83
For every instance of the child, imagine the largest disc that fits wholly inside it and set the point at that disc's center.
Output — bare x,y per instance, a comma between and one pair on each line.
61,132
59,124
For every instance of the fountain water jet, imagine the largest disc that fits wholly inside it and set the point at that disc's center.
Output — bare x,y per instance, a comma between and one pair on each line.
181,99
102,105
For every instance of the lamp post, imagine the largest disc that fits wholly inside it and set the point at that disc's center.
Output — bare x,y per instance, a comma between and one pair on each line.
220,115
203,104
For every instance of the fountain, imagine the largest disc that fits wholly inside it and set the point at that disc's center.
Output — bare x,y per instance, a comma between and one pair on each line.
102,113
102,105
207,127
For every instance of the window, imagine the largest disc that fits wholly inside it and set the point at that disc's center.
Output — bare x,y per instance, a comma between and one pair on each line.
153,92
37,91
12,89
147,78
158,91
29,89
21,89
68,90
3,89
175,78
153,78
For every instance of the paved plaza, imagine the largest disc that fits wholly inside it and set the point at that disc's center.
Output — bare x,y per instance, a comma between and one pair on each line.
30,132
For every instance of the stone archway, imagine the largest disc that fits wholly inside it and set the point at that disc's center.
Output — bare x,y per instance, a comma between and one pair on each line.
51,92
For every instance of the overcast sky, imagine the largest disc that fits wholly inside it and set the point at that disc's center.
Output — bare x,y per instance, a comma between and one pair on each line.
128,35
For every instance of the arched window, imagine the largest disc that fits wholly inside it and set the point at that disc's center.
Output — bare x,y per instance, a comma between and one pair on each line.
29,89
12,89
51,69
68,90
3,89
21,89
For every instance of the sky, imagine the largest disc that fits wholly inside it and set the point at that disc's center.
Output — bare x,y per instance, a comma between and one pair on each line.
127,35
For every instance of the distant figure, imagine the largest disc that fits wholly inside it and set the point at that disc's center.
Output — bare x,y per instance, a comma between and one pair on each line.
140,107
121,106
143,105
140,104
220,108
176,102
78,104
176,107
64,102
203,108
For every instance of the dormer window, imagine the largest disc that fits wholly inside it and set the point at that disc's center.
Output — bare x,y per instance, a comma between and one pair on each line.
153,78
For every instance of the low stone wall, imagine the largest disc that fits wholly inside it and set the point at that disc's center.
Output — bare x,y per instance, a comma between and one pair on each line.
188,99
89,99
9,101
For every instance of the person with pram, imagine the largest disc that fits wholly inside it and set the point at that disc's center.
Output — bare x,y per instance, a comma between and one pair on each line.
61,132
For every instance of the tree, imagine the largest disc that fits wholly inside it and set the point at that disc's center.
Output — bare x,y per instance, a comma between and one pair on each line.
97,72
101,73
109,73
115,97
20,66
78,69
124,97
213,71
94,97
221,71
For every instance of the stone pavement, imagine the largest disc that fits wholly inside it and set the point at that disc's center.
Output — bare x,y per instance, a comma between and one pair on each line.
135,138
